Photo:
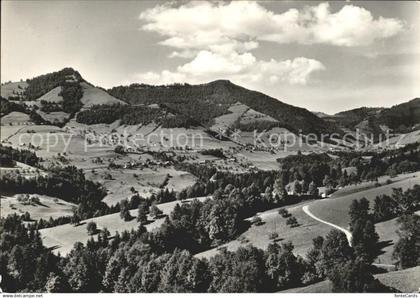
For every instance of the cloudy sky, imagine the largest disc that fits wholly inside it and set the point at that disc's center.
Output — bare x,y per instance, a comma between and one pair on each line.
322,56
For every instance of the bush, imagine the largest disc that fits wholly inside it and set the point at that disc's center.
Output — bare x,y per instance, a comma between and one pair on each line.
284,213
214,152
35,200
91,228
292,222
256,220
155,212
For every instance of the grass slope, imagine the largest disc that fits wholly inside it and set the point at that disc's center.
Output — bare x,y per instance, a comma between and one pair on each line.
48,207
62,238
405,281
309,228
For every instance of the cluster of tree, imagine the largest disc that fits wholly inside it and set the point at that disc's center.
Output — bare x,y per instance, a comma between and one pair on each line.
9,155
40,85
7,107
67,183
200,112
407,249
135,262
130,115
71,92
351,118
401,117
25,264
212,179
325,170
365,239
206,101
214,152
51,222
48,106
129,263
200,225
349,268
178,121
37,119
162,261
265,182
399,203
257,125
362,226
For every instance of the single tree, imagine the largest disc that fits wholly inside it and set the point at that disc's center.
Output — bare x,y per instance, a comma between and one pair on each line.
142,213
91,228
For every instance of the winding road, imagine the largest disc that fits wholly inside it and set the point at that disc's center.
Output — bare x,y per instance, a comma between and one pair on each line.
347,232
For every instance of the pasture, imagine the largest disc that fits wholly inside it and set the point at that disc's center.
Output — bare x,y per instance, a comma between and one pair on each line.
405,281
62,238
46,207
333,210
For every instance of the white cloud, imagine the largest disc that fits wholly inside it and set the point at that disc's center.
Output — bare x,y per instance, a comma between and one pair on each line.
217,39
238,25
241,68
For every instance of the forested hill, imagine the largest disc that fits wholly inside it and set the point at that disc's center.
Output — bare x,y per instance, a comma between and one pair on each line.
401,116
40,85
216,97
404,117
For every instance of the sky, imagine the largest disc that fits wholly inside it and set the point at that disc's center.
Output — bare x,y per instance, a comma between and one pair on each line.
323,56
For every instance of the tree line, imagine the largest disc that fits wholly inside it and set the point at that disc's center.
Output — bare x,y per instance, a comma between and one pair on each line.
347,168
9,155
213,99
399,203
136,261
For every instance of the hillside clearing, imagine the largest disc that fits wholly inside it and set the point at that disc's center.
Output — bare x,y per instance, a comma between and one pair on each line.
46,208
309,228
405,281
62,238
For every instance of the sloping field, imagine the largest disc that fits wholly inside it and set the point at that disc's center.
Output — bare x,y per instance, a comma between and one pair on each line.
96,96
151,136
401,140
258,236
387,232
225,121
14,118
264,160
63,237
46,208
251,116
54,117
52,96
335,210
309,228
8,131
405,281
145,181
10,89
23,169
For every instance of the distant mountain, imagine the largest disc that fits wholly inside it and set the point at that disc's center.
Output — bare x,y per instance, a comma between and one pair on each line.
351,118
56,97
204,102
321,114
404,117
401,117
